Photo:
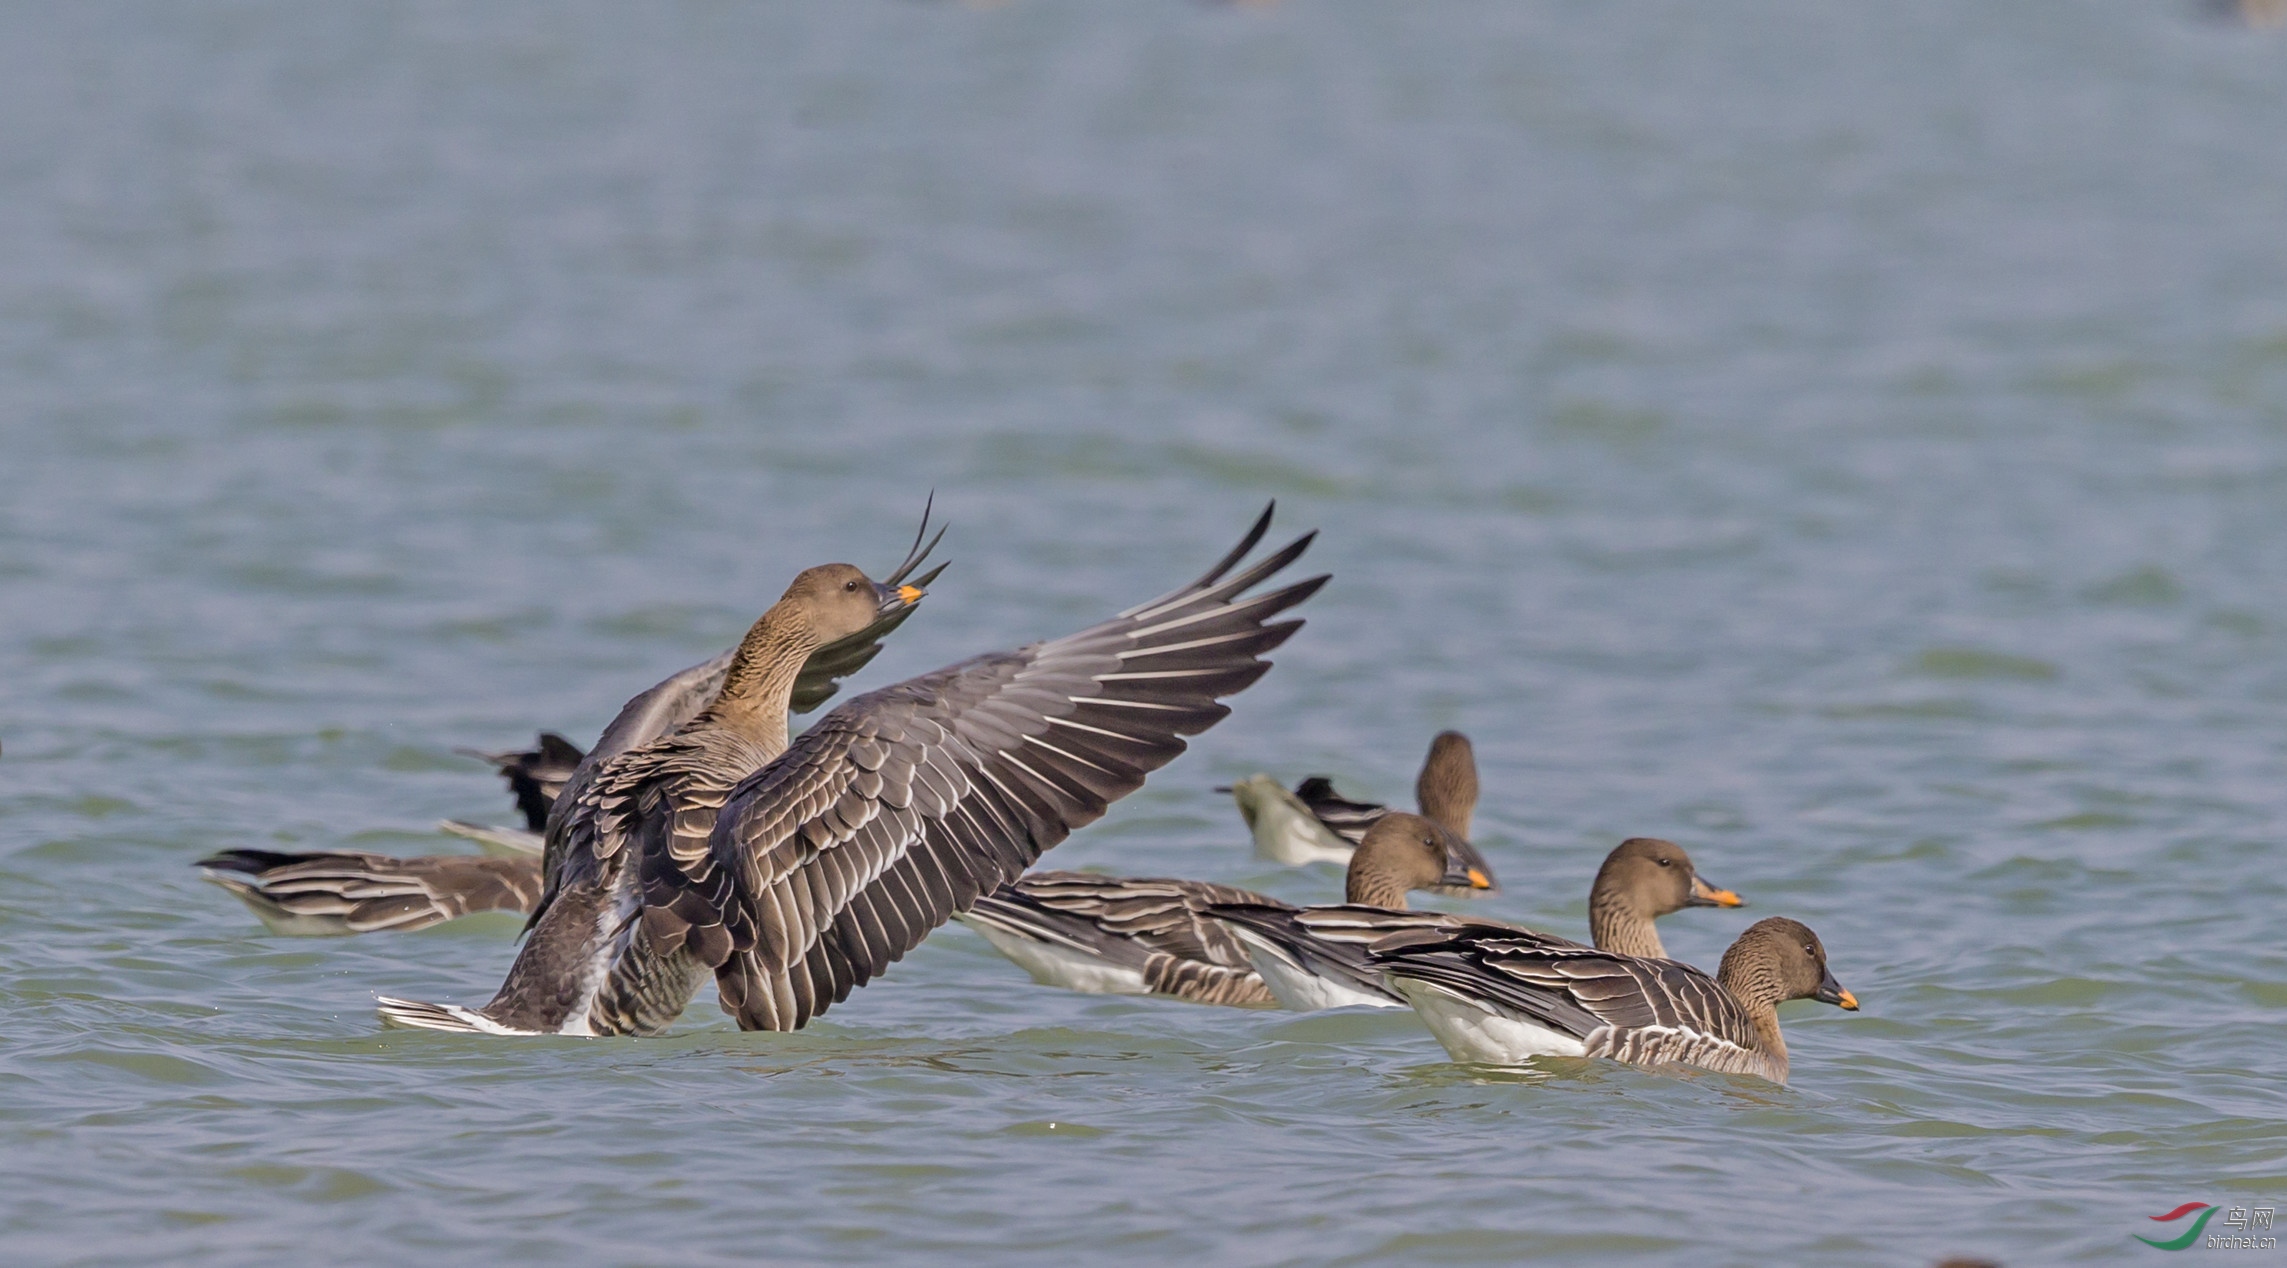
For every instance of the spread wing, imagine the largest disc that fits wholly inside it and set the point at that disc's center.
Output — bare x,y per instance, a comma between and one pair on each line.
1570,988
901,807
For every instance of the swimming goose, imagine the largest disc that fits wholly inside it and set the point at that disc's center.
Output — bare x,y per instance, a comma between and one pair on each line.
1110,935
331,892
1321,957
800,881
1314,824
1502,996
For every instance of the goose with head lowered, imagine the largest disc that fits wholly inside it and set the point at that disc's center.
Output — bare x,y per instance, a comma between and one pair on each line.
1114,935
794,884
336,892
1499,996
1322,957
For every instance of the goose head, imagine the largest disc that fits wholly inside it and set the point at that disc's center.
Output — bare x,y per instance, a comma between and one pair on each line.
1780,959
1404,852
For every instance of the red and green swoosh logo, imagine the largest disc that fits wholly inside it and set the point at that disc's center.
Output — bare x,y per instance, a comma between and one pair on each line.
2192,1235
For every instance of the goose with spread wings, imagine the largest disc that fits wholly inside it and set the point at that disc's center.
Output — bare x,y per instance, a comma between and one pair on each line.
797,883
337,892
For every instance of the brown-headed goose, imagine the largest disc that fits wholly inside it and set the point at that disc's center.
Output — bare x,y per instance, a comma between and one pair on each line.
797,883
1314,824
343,892
1111,935
1502,996
1321,957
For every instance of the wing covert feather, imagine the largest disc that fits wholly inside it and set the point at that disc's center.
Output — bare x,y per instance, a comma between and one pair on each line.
904,805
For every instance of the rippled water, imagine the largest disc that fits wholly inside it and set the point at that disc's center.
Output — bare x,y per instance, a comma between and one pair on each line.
1851,441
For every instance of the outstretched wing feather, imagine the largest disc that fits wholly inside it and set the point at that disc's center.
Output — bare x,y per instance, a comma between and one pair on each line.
992,761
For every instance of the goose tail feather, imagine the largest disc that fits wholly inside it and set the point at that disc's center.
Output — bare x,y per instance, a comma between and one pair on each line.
413,1014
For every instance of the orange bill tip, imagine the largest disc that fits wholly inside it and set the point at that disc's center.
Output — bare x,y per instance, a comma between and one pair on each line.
911,594
1707,893
1479,880
1848,1001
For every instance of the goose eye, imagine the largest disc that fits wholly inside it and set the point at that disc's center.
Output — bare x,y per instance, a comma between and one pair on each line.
1665,862
849,585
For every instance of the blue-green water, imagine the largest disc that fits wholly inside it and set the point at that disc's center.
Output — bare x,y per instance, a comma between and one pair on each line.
1849,440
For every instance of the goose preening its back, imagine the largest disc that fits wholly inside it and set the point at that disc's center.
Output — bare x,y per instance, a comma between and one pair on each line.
321,893
1322,957
798,882
1502,996
1110,935
1315,824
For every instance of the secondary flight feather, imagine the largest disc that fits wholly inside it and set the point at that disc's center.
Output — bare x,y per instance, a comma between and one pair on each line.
795,874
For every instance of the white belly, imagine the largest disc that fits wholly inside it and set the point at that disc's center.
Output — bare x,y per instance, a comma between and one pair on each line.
1296,841
1284,829
1298,989
1472,1032
1054,965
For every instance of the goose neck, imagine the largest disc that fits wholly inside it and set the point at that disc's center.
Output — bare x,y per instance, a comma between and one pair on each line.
1618,927
758,689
